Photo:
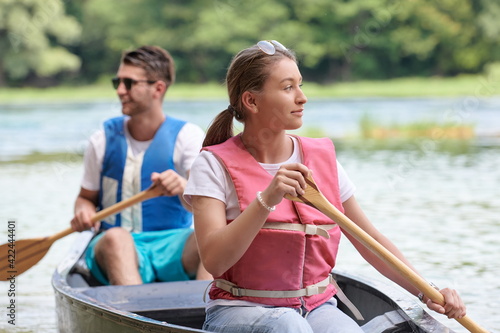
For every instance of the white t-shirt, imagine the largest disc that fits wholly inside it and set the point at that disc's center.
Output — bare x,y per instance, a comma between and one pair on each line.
209,178
187,147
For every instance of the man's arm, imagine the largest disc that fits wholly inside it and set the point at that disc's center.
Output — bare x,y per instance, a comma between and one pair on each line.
85,209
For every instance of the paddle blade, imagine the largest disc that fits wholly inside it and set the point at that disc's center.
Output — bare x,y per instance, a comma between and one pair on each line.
19,256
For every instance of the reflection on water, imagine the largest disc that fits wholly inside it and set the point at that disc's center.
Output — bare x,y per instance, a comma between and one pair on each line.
439,207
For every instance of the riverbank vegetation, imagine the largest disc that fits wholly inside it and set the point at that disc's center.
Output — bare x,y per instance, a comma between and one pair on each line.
371,129
418,136
415,136
480,86
62,159
450,137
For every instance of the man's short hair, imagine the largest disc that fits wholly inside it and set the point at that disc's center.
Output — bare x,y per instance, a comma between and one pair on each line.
157,62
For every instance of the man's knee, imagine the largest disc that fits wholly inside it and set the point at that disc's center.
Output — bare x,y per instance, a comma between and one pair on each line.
191,247
114,239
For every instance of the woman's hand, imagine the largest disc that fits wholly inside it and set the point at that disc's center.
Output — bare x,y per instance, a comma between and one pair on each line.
290,179
454,307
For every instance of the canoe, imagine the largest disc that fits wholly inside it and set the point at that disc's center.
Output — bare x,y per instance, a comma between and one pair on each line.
84,306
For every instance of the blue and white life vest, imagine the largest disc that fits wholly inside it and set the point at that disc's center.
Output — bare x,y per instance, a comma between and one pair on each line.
153,214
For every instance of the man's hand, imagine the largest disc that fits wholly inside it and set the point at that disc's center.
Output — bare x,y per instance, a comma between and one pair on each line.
85,209
82,220
170,182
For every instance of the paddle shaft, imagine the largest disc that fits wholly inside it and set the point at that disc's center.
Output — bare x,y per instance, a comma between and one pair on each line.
151,192
20,255
323,205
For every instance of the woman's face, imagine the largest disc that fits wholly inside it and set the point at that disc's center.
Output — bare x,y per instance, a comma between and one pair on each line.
280,104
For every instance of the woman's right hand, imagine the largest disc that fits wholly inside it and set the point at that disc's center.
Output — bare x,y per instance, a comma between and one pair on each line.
290,179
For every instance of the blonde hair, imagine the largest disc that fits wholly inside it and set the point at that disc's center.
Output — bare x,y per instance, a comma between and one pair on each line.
248,71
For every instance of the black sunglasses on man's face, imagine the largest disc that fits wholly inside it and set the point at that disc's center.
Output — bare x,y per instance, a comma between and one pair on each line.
128,82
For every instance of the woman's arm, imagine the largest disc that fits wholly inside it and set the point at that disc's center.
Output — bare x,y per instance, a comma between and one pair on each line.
220,244
454,306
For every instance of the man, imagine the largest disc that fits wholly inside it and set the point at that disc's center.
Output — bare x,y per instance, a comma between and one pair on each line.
151,241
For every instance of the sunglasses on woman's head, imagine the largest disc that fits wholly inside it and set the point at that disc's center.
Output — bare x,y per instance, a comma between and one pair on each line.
128,82
270,46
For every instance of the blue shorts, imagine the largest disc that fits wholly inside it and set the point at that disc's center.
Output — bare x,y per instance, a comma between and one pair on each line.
159,254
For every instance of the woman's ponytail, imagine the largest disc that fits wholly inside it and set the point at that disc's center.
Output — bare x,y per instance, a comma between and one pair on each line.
220,129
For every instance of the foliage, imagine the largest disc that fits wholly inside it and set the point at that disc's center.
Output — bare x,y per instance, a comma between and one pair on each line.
33,39
335,40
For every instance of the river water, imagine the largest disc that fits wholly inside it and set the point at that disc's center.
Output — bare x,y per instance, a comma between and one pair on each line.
440,207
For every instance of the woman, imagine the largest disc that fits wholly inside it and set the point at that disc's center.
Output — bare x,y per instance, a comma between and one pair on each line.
272,257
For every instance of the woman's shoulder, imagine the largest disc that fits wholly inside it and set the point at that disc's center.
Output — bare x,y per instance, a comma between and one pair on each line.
206,160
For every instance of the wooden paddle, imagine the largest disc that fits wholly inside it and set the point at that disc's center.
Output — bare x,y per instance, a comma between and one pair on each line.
314,198
18,256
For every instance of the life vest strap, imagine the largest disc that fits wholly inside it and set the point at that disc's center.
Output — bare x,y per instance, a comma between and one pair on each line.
347,302
308,229
315,289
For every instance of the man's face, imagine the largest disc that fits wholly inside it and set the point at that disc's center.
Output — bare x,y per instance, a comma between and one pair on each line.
139,97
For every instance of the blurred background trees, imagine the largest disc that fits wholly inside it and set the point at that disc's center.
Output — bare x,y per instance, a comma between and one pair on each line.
49,42
35,36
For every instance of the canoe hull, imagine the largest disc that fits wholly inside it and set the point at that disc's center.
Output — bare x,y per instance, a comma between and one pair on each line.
178,307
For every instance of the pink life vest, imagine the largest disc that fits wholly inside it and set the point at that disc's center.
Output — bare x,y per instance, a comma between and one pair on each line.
283,260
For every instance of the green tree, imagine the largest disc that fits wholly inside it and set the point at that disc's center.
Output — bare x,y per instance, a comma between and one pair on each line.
112,26
489,13
334,39
444,35
32,38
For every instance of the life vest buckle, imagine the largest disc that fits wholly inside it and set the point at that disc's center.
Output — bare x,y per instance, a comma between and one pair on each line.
313,290
237,292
